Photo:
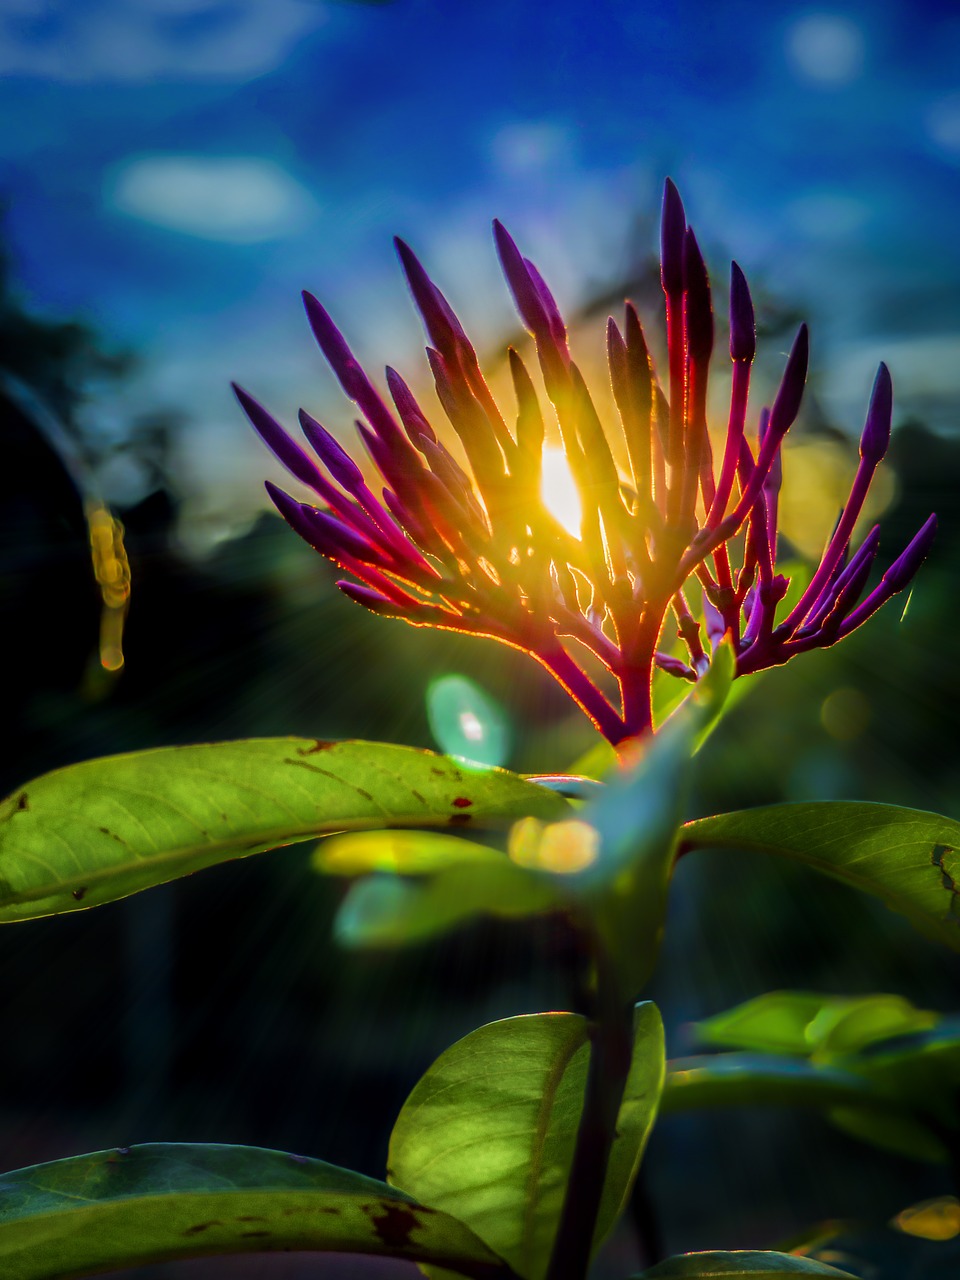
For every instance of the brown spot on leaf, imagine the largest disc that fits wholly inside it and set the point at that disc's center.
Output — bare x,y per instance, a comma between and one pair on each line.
440,773
79,894
251,1217
943,861
394,1223
319,744
461,802
202,1226
22,802
254,1235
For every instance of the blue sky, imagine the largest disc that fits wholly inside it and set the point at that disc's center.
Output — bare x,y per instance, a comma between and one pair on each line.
177,170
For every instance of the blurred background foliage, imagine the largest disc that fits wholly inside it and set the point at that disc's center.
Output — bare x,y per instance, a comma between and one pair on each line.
218,1009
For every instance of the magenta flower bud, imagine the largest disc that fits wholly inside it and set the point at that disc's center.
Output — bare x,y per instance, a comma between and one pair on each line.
286,450
331,453
525,292
876,430
743,325
372,600
442,325
698,308
911,558
673,225
410,412
786,405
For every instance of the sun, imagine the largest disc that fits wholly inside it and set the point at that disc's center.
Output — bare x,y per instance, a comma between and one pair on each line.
558,490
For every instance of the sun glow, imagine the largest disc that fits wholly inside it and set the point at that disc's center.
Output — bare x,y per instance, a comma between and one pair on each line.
558,490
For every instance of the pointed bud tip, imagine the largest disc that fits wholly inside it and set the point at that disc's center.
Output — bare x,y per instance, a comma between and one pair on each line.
876,430
673,225
743,325
786,406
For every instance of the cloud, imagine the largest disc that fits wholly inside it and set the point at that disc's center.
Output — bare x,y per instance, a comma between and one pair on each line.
148,40
826,49
238,199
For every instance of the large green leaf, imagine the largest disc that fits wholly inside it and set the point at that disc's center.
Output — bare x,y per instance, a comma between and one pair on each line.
488,1134
908,858
103,829
152,1203
746,1263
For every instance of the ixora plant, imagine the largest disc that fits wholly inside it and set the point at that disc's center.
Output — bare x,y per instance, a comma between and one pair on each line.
518,1150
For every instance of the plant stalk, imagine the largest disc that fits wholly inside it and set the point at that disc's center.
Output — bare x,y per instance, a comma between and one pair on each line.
611,1047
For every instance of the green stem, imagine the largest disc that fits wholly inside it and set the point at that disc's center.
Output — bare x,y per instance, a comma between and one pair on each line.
611,1046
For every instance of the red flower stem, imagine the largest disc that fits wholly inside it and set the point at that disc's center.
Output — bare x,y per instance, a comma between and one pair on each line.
739,392
675,442
583,691
841,536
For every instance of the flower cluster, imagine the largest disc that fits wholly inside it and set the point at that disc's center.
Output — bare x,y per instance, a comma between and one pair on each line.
476,550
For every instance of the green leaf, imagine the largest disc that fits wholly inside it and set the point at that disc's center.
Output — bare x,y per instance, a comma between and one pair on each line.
488,1134
908,858
806,1023
103,829
161,1201
406,853
743,1080
903,1135
748,1263
382,911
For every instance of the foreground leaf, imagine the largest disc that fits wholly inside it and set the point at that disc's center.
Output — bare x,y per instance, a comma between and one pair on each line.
747,1263
488,1134
162,1201
103,829
906,857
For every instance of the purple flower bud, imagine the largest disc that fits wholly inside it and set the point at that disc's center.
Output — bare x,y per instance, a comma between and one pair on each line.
411,415
876,430
786,406
441,324
371,599
743,326
525,292
698,309
331,453
911,558
354,381
713,618
896,577
297,462
673,225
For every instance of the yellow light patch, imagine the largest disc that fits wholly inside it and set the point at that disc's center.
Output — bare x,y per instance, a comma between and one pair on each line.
562,848
931,1219
111,569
